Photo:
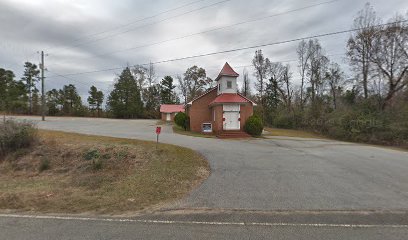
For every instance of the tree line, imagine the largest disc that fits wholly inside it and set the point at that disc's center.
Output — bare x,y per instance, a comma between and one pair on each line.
370,105
136,93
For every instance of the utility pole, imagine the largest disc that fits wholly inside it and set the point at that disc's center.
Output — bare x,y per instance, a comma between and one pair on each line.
42,87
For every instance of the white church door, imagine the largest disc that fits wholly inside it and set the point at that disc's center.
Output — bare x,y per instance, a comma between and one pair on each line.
168,117
231,117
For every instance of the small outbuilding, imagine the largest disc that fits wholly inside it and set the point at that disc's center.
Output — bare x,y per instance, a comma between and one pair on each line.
168,111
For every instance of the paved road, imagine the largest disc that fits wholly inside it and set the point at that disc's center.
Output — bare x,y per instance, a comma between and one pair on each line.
364,189
22,228
278,173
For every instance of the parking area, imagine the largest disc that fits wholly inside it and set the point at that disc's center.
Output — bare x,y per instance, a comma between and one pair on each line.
276,173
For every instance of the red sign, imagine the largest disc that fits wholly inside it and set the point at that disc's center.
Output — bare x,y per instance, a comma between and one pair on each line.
158,130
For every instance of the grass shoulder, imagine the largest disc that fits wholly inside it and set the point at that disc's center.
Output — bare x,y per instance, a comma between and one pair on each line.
74,173
280,132
292,133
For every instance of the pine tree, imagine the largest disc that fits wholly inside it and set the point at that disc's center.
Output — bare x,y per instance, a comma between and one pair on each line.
167,93
95,99
152,101
53,102
272,98
71,101
30,77
124,101
6,79
13,94
36,102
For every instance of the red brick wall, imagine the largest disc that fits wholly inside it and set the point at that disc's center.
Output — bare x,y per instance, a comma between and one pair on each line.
217,125
200,112
246,112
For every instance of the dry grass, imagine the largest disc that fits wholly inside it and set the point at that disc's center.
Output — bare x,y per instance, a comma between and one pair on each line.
75,173
291,133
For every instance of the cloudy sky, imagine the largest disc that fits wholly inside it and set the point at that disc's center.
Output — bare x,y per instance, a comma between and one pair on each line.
81,36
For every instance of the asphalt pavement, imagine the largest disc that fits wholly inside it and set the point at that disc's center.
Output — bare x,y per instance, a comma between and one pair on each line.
279,174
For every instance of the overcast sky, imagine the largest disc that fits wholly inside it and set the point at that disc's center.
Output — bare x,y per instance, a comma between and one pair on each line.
81,36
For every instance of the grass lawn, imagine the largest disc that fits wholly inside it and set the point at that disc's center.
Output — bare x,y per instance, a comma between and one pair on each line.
74,173
180,130
291,133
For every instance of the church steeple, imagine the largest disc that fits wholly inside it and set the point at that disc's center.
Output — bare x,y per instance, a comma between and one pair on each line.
227,71
227,80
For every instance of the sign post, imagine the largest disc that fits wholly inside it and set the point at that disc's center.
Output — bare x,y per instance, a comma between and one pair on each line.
158,131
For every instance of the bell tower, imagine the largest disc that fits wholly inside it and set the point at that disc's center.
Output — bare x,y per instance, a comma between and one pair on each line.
227,80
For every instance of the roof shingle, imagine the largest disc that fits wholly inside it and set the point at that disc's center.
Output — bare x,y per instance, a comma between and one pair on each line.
227,71
230,98
171,108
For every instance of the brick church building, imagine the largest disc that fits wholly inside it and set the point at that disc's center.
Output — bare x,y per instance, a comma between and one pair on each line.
221,110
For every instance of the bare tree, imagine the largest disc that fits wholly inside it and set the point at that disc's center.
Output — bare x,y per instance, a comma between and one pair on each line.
360,44
318,65
151,75
261,65
246,89
287,76
146,79
183,87
282,76
390,56
303,58
335,80
196,81
139,72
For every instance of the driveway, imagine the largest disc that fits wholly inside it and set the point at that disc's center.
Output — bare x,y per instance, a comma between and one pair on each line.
277,173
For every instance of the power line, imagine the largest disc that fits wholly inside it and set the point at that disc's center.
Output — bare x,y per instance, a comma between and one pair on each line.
212,30
150,24
132,22
74,80
162,76
106,91
290,60
240,49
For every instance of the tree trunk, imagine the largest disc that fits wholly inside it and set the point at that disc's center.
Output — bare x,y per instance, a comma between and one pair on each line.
334,98
302,83
30,96
365,73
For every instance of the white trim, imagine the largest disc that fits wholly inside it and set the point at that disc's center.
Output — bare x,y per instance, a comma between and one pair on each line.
265,224
249,100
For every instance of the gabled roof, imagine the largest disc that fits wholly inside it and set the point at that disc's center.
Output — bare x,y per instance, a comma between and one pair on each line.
249,100
171,108
231,98
227,71
202,95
